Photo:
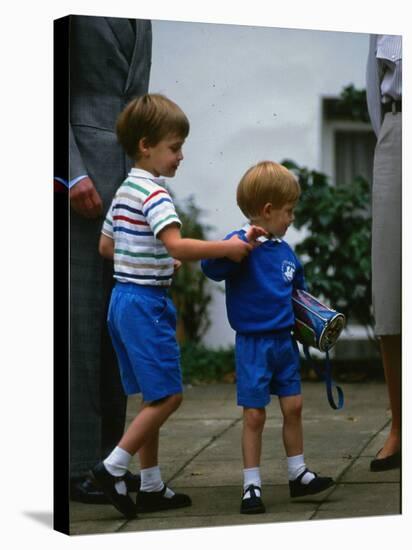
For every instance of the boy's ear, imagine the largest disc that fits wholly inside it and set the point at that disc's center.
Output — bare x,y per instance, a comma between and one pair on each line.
143,147
267,209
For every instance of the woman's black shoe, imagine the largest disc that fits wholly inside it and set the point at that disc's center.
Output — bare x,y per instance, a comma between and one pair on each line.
388,463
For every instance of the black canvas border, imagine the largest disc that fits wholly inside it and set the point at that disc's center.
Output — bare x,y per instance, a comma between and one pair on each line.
61,431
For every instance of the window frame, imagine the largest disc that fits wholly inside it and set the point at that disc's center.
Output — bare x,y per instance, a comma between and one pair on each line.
328,147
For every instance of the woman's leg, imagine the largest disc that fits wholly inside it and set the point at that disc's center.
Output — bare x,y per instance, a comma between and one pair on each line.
391,357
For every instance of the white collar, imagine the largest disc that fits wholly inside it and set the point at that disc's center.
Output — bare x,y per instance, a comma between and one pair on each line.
140,173
261,239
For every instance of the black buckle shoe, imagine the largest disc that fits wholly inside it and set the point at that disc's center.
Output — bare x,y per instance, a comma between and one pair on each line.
317,485
107,482
85,491
388,463
155,501
253,504
132,481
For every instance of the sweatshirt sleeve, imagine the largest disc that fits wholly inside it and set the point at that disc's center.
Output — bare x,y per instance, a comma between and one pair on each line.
219,269
299,280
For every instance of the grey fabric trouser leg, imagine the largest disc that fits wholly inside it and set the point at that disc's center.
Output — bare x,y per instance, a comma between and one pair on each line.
97,399
387,227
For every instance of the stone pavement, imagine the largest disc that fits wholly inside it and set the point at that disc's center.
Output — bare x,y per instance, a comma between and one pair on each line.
200,454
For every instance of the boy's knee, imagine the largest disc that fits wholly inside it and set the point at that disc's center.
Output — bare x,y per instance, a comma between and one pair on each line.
172,402
293,409
175,401
254,418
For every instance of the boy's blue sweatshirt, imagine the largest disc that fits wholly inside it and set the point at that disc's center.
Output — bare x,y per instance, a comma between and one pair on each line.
259,289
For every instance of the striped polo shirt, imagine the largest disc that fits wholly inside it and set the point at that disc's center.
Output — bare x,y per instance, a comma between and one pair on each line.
141,208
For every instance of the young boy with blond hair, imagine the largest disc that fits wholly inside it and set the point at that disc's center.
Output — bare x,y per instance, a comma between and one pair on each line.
259,308
142,234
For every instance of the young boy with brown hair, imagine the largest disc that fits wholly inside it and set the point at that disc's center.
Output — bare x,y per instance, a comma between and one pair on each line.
142,233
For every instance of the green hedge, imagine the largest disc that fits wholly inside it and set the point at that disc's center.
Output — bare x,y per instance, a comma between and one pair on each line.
200,364
203,365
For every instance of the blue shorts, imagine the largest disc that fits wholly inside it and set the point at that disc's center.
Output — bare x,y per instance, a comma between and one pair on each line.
266,365
142,325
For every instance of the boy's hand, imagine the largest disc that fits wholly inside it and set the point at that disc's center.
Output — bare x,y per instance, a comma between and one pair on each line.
177,264
238,249
253,233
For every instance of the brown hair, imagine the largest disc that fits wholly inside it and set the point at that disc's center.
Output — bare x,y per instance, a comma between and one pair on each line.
151,116
266,182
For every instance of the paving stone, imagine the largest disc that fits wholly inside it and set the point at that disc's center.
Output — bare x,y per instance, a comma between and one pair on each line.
200,453
351,500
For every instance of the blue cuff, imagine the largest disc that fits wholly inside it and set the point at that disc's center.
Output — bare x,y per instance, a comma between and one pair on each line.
73,182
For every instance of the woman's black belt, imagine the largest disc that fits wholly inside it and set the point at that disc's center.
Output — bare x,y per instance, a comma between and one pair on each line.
392,106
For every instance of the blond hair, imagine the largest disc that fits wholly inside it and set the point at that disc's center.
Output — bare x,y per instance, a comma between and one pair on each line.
266,182
153,117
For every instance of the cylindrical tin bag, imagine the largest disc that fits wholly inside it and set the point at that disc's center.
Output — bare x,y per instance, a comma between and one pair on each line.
316,324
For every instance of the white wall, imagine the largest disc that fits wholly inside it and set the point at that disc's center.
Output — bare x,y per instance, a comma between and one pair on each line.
251,93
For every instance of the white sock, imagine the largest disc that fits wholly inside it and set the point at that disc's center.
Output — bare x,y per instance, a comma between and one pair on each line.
251,476
116,464
151,481
296,466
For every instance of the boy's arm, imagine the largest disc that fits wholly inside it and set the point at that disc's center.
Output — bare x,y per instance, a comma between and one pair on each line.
194,249
219,269
106,242
222,268
106,247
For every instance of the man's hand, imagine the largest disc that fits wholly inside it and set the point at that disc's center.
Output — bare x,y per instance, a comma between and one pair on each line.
253,233
85,200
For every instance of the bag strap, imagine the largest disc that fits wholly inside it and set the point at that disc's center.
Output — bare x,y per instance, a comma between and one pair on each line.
327,377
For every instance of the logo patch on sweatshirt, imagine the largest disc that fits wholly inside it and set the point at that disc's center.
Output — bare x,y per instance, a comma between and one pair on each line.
288,271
